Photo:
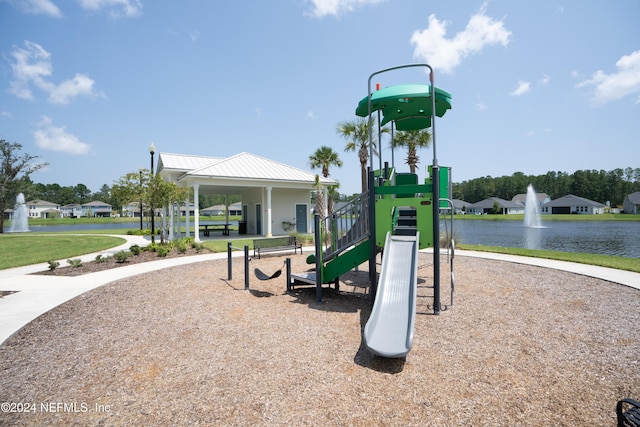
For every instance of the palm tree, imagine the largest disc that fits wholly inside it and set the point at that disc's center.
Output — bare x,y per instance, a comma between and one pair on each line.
319,196
412,140
324,158
357,135
333,194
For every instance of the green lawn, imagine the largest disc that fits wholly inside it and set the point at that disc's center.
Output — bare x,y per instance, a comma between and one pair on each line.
620,263
17,250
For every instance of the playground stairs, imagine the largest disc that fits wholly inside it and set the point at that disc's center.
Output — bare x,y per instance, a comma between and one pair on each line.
405,222
345,237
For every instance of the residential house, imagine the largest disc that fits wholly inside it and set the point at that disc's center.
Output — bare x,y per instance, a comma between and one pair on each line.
460,206
234,209
132,210
96,209
488,205
213,210
571,204
73,210
43,209
631,204
541,199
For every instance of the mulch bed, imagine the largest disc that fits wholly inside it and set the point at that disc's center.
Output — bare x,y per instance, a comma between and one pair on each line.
109,263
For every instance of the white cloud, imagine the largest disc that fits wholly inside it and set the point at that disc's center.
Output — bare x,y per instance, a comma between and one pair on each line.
311,114
545,79
523,87
611,87
37,7
480,106
6,114
117,8
32,64
79,85
50,137
32,68
432,46
323,8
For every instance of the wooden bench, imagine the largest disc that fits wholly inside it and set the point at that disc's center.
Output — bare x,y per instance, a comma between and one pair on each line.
628,413
208,228
275,244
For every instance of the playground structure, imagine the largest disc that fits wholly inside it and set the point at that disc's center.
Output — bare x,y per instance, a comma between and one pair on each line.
397,216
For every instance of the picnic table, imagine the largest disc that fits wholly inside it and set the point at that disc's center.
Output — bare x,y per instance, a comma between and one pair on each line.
208,228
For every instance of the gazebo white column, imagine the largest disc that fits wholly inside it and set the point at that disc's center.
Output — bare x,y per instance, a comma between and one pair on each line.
196,212
226,208
269,234
171,221
187,222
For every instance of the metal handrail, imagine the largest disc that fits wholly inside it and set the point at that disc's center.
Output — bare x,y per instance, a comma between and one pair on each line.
345,227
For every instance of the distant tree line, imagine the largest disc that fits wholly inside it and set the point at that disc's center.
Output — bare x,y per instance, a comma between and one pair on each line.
597,185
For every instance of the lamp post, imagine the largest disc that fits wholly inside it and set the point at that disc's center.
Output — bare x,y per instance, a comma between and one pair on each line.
140,170
152,151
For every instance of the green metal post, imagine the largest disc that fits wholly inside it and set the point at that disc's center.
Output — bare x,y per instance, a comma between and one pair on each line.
373,275
318,239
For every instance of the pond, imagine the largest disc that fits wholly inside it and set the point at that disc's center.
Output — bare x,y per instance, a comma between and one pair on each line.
619,238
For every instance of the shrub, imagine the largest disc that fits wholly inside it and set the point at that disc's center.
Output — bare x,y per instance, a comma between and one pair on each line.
53,265
142,232
181,246
122,256
197,246
75,263
100,258
135,249
162,250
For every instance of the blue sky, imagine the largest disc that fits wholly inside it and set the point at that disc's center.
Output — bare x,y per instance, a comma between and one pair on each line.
537,86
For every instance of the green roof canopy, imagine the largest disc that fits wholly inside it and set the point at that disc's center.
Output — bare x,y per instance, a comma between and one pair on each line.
409,105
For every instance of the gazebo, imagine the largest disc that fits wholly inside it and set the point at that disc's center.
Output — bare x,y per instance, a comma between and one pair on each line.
275,197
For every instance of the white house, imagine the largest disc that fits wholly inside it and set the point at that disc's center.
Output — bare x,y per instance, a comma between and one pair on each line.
72,210
631,204
275,197
42,209
571,204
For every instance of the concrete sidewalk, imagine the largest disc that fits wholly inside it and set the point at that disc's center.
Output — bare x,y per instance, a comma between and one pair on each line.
623,277
36,294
